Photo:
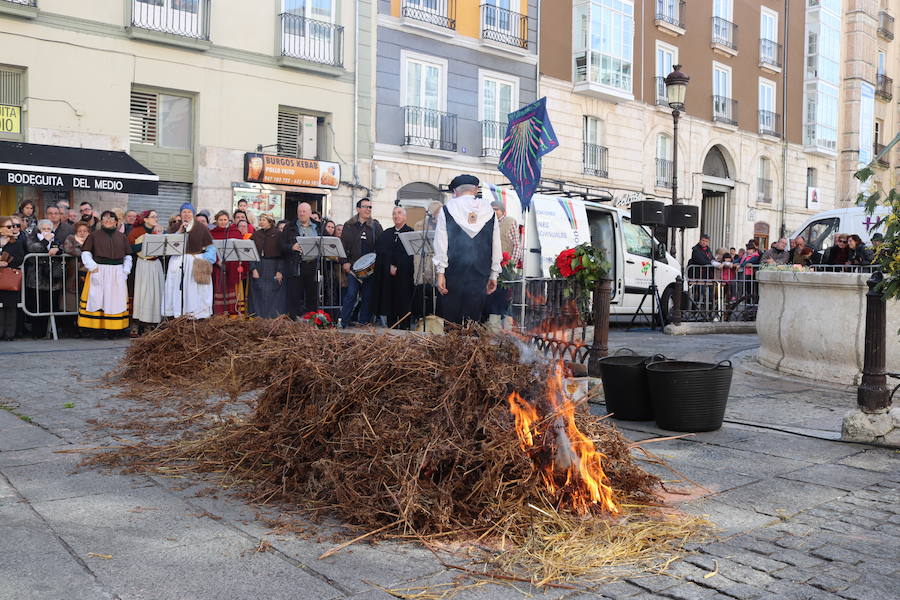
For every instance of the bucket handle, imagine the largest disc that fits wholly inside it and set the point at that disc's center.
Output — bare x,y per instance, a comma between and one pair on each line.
620,352
657,358
723,364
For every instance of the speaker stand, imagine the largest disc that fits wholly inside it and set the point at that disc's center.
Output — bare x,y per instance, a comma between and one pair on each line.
656,309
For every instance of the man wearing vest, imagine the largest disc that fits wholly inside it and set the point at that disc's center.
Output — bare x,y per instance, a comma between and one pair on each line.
467,252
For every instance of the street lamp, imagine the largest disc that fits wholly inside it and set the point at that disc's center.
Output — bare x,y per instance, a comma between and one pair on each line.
676,88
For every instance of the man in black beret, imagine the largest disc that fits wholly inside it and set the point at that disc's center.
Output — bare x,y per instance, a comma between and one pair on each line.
467,252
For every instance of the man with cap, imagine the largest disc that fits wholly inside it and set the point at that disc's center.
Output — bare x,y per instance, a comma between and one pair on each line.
189,289
467,252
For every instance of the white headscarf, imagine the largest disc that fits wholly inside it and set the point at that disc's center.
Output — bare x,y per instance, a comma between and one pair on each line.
462,207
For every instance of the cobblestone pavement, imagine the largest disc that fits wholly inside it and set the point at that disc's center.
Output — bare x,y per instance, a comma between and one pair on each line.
800,516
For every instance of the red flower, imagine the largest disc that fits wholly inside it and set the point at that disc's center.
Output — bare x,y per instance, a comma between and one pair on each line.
564,262
506,259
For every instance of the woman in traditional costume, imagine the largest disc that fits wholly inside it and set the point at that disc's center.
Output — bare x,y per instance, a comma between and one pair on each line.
188,289
267,291
149,279
227,280
104,298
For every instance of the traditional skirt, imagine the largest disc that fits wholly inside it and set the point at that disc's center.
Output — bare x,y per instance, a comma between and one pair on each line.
268,298
198,298
149,282
227,290
104,299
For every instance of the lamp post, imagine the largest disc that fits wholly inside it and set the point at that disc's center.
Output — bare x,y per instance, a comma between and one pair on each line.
676,88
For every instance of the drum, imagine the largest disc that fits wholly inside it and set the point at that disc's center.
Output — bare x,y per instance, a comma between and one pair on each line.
364,266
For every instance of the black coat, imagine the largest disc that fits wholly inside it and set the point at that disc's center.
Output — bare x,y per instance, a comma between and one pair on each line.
861,255
351,237
393,292
16,252
291,258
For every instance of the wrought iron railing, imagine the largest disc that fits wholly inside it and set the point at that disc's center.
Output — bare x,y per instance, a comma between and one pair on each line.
769,123
23,2
724,110
661,98
595,160
724,33
670,11
664,170
504,26
763,190
187,18
429,128
770,53
492,134
441,13
315,41
885,25
878,149
884,86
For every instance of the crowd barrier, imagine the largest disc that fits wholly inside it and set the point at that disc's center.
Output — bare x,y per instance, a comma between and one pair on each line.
51,287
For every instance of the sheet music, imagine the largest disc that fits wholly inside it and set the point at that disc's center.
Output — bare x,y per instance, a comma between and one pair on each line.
164,244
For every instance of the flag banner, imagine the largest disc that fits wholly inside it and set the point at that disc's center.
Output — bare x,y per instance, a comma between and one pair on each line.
529,136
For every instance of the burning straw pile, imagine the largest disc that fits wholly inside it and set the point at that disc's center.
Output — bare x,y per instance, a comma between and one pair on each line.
449,437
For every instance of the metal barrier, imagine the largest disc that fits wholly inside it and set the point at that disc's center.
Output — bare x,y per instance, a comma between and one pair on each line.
715,295
51,287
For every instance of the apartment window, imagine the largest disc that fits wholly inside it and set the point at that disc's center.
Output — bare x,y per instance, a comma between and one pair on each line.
723,31
299,134
724,108
499,96
603,47
308,31
664,167
423,81
768,119
882,62
722,9
769,48
764,181
161,120
12,96
188,18
821,116
811,177
594,153
666,56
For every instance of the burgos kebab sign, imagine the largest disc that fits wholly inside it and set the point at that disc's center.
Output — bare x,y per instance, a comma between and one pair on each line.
284,170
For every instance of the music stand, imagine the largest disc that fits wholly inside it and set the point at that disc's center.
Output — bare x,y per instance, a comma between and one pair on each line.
326,245
421,244
235,250
167,244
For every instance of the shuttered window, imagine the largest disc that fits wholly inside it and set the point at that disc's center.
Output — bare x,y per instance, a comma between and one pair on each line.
144,118
168,202
12,94
289,133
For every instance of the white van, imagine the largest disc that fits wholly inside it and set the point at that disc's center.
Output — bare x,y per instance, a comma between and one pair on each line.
628,246
819,230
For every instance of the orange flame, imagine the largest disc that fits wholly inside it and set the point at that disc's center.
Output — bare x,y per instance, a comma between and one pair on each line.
575,457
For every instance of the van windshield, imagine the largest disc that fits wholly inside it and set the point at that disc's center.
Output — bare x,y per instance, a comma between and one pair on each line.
819,235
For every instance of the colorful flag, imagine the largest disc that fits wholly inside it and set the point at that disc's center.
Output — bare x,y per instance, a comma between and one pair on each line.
529,136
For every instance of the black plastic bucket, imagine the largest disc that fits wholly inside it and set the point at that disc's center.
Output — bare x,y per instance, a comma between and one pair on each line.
625,386
689,396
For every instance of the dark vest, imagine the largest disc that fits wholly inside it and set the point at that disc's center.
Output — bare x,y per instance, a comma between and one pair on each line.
467,257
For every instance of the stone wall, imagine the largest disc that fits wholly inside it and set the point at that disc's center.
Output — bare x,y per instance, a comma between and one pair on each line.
813,325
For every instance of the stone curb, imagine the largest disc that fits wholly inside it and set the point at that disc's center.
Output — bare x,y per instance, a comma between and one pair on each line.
707,328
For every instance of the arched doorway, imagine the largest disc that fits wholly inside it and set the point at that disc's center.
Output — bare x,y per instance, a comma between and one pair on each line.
761,235
416,197
717,188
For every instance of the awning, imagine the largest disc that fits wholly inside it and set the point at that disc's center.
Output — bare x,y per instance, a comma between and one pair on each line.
66,168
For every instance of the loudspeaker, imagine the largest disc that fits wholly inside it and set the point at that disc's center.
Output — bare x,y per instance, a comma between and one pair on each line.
647,212
682,215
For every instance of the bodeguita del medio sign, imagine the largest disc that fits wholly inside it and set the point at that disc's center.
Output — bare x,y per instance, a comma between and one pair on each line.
63,181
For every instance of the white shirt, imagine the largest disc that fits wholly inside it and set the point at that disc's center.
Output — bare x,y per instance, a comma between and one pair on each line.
460,207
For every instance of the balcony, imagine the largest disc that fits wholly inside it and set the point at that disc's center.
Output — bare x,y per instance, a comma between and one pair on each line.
433,14
884,161
661,98
312,41
670,17
174,19
664,170
884,87
504,27
724,110
724,36
770,55
595,160
763,190
19,8
819,139
602,77
885,25
492,134
427,128
769,123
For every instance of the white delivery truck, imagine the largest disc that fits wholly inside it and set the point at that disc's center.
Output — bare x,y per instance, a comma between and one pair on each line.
819,230
556,223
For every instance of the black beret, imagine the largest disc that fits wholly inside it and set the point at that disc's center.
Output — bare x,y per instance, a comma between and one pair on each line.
463,180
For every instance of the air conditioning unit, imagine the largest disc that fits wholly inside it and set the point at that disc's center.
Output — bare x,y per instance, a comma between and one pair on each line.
309,137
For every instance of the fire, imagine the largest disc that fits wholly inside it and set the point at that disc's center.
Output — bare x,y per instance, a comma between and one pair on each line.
560,451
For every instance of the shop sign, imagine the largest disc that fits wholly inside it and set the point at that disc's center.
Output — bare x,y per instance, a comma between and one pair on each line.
259,201
10,119
63,181
285,170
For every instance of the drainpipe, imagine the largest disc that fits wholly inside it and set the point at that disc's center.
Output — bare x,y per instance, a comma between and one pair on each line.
355,106
784,119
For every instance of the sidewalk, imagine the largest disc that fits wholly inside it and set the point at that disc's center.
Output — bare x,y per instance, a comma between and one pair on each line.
800,517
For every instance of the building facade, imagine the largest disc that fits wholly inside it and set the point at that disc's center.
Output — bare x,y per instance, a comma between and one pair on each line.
869,104
448,74
187,87
741,152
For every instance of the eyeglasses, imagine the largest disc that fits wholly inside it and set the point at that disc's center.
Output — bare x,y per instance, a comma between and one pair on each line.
15,226
369,206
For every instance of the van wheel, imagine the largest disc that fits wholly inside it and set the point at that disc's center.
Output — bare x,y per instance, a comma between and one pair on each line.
668,302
